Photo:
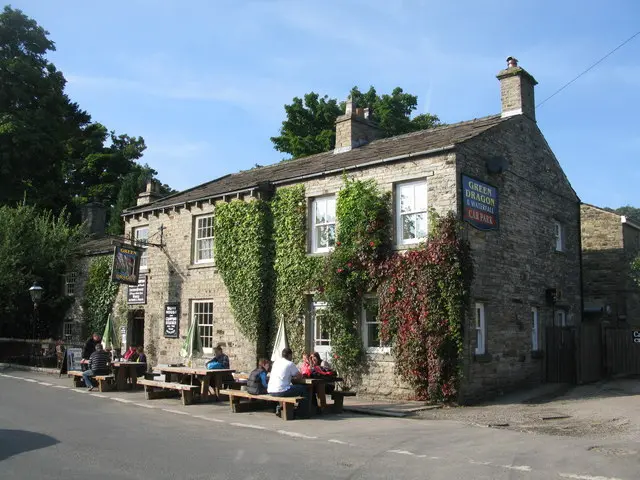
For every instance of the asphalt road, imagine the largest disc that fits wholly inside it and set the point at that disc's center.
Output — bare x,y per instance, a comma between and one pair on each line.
50,431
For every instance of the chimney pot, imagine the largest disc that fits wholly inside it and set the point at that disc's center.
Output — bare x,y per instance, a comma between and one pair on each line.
512,62
151,193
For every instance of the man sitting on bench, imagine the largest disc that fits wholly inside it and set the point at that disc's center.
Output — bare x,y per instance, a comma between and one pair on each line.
282,372
98,365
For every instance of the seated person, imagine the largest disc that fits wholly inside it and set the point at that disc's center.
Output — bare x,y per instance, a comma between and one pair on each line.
282,372
257,383
220,361
131,354
305,366
140,357
318,371
98,365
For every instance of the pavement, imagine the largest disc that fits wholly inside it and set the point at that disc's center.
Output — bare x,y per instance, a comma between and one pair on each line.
49,430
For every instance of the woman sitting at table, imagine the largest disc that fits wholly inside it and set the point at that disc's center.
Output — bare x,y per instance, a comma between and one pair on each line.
140,357
319,371
305,366
131,355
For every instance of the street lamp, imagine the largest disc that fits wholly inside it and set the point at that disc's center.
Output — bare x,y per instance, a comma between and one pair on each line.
36,295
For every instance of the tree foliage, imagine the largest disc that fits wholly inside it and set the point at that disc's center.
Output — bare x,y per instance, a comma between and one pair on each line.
34,246
99,294
628,211
51,154
309,126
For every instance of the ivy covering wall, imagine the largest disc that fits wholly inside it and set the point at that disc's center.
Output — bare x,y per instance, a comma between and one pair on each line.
295,271
243,252
99,294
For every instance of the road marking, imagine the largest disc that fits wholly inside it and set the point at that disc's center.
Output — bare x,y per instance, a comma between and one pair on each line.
45,384
60,386
174,411
30,380
296,435
144,405
475,462
217,420
520,468
339,442
118,399
401,452
99,395
248,425
586,477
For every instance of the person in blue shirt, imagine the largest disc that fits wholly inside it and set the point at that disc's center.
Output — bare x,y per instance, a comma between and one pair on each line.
257,382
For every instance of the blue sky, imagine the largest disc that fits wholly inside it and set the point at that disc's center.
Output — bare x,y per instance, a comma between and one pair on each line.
204,82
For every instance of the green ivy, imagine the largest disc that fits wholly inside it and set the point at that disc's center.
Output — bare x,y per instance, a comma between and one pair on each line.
363,240
244,255
99,294
295,270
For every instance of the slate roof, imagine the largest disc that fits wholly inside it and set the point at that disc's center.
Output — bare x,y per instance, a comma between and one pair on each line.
402,145
99,245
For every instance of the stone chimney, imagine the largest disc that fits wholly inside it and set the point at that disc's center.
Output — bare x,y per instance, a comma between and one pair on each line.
94,215
355,128
516,90
151,194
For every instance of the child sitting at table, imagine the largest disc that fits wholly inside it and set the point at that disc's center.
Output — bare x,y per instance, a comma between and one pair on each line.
305,366
131,354
140,357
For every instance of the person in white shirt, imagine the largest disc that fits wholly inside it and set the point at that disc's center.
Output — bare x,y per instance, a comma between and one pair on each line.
282,372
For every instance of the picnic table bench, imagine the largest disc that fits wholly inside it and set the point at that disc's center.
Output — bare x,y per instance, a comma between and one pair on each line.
338,399
157,389
105,382
287,403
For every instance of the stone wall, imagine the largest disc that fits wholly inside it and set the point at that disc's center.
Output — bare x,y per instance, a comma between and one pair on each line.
515,264
608,248
173,277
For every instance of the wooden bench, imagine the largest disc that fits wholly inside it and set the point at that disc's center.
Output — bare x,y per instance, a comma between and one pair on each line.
287,403
155,389
338,399
105,382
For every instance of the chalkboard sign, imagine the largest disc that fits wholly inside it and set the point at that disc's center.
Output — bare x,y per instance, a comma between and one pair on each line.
636,336
137,294
171,320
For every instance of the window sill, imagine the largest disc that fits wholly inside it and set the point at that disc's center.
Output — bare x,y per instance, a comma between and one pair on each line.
407,246
318,254
536,354
198,266
378,351
482,357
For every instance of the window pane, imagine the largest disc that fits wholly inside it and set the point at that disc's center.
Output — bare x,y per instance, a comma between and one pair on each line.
203,316
406,198
421,197
331,235
408,227
331,210
421,225
373,335
321,209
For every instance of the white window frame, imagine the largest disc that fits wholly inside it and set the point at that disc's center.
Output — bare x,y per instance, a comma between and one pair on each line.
70,283
399,214
202,314
319,344
558,235
67,326
365,329
199,241
140,239
328,200
560,319
535,330
481,329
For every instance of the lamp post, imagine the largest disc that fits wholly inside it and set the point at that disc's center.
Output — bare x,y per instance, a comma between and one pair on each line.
36,295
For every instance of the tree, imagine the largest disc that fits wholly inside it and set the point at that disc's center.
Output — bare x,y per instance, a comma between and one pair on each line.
34,246
310,124
50,151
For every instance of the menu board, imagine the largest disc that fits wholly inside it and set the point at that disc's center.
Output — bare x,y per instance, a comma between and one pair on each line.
171,320
137,294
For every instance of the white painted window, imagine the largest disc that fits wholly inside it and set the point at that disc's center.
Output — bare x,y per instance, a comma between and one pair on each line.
481,330
70,284
535,323
371,327
411,212
558,232
323,224
203,245
202,314
321,337
140,237
67,330
561,318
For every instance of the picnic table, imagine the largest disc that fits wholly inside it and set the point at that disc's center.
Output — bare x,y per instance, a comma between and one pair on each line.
191,376
125,370
317,385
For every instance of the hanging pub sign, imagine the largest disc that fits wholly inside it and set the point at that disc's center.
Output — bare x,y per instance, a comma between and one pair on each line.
126,264
137,294
479,204
171,320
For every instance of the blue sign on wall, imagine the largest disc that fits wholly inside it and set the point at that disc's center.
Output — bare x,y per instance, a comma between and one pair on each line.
479,204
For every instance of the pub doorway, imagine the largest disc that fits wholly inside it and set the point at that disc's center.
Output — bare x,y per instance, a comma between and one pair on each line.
136,327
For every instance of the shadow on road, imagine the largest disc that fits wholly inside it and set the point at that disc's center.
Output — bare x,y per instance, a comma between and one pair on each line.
13,442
